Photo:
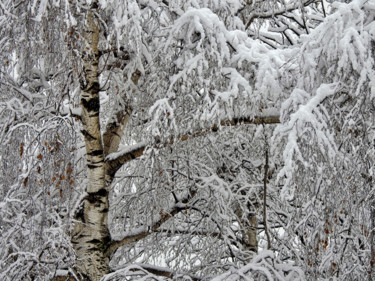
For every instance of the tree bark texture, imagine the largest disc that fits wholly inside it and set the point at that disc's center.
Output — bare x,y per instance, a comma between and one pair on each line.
91,236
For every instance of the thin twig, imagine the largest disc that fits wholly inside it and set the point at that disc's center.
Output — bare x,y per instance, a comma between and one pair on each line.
265,199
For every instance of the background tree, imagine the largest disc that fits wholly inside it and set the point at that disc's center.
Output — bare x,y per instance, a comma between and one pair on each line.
138,140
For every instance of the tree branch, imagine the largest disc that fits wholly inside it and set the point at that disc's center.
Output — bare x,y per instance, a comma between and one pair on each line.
188,232
114,131
265,199
164,216
138,236
113,165
273,13
161,271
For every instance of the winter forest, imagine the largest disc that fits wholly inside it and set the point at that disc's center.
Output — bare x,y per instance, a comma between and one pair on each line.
187,140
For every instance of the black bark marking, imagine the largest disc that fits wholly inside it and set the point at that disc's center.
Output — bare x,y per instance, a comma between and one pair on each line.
93,166
102,244
88,135
102,192
96,162
93,103
96,152
94,241
95,197
80,215
82,236
94,87
95,249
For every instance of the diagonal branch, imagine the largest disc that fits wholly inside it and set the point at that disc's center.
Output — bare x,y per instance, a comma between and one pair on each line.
165,272
143,234
165,216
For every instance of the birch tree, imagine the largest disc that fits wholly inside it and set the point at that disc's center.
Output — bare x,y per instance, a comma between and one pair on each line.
138,140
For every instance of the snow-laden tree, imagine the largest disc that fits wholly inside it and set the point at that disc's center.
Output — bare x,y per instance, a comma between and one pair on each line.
327,141
139,140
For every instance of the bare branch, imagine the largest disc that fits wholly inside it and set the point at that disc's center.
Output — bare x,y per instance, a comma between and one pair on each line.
265,179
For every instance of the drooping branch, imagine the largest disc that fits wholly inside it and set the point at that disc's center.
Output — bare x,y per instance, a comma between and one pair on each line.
115,163
182,205
142,234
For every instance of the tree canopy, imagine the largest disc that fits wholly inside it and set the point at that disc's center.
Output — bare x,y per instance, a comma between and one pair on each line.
187,140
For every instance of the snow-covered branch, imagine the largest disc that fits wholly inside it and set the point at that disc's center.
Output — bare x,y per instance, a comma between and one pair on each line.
116,160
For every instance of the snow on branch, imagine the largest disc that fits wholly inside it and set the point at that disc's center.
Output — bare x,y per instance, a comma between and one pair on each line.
129,153
272,13
309,121
139,234
264,266
147,271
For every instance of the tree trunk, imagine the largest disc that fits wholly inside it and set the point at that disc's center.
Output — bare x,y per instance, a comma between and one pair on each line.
91,236
249,229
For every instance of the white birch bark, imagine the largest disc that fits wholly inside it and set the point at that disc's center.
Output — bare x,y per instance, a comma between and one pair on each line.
91,236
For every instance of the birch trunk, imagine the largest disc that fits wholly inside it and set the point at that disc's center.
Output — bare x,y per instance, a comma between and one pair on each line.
91,236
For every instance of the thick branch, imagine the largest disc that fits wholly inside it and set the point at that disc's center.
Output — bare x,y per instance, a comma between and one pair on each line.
114,165
115,129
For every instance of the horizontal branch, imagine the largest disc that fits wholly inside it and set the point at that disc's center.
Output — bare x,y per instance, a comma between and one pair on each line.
190,232
161,271
114,164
